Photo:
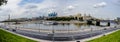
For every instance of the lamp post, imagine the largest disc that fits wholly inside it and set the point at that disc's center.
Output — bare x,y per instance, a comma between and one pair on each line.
53,33
91,31
39,28
99,5
68,28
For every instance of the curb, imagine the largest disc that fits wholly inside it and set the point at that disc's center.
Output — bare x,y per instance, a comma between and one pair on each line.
91,38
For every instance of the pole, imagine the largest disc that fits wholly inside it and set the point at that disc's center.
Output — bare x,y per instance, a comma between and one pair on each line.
91,31
53,33
39,28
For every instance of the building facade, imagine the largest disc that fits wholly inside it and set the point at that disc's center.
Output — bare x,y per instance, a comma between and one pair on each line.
53,14
80,17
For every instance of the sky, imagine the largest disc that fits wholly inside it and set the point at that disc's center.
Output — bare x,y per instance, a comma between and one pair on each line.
107,9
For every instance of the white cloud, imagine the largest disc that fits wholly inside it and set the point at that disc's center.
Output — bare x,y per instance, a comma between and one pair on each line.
11,6
70,7
29,9
102,4
31,6
62,7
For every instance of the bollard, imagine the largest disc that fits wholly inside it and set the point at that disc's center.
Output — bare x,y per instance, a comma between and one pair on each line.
77,41
115,26
7,29
13,30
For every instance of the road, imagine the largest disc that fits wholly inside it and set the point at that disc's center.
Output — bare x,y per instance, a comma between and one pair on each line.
61,36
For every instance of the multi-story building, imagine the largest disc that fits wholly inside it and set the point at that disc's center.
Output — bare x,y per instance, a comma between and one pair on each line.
53,14
85,17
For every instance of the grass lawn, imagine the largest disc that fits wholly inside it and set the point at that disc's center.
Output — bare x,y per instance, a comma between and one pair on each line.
8,37
114,37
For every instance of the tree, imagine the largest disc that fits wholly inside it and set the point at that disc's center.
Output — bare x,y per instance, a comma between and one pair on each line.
3,2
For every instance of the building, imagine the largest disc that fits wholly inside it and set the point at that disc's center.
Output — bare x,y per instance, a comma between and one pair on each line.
118,19
85,17
53,14
78,16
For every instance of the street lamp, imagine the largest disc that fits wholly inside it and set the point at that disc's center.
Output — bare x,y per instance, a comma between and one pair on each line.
68,28
39,28
53,33
100,5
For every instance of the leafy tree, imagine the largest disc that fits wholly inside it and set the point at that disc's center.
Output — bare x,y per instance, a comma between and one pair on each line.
3,2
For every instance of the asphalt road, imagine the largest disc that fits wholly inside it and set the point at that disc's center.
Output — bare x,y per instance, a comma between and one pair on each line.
61,36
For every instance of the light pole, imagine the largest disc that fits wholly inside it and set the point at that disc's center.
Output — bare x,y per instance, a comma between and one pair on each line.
68,28
100,5
91,31
53,33
39,28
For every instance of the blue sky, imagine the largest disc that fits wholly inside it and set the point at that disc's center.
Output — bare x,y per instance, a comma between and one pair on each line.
32,8
23,2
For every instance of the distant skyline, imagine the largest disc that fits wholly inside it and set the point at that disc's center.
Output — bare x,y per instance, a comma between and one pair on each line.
32,8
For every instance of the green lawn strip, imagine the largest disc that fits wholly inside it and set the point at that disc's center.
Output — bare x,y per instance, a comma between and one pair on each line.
9,37
114,37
